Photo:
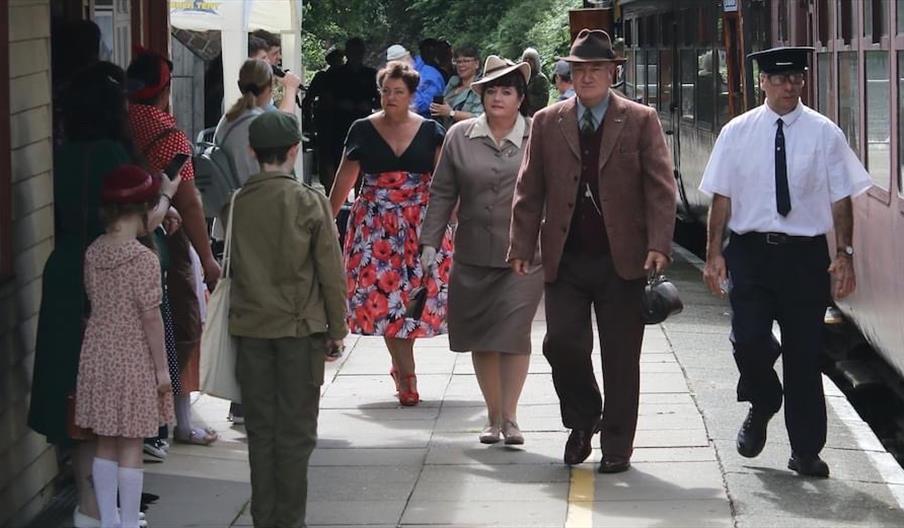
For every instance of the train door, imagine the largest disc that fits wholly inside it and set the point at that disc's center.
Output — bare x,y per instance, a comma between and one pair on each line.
669,103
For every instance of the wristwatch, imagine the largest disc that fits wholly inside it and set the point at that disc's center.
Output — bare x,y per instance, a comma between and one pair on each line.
847,251
451,114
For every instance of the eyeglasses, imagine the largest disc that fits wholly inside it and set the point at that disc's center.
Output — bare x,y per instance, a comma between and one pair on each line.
778,79
467,60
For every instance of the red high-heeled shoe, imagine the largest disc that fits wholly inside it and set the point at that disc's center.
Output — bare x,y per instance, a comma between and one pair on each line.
394,374
409,398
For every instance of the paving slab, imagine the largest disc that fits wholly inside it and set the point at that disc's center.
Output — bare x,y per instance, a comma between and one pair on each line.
703,513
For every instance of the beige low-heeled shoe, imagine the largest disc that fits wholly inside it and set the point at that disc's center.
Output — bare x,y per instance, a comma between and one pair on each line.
512,433
490,434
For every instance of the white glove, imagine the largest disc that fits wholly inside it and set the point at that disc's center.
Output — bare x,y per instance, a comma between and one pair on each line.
428,259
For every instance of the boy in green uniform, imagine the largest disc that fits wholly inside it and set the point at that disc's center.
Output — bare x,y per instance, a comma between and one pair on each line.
287,309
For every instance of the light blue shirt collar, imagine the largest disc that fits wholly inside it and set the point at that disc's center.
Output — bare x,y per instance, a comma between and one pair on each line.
598,111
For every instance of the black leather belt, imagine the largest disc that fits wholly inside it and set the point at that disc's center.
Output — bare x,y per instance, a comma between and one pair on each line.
779,239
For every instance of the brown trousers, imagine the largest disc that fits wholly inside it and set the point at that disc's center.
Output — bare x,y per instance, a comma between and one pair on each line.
583,282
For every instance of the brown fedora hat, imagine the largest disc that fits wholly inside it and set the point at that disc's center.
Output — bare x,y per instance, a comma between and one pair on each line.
593,45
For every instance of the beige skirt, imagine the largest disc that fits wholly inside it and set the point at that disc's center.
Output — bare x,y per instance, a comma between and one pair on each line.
491,309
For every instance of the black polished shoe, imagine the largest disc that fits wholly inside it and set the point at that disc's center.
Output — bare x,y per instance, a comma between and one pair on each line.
808,466
614,464
578,447
752,436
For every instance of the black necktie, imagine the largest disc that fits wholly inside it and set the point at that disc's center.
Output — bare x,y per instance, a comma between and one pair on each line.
782,196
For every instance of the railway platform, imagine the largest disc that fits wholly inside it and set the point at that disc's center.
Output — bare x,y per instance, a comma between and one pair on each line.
380,465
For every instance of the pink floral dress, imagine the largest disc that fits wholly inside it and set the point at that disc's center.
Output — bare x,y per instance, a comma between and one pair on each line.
381,244
116,391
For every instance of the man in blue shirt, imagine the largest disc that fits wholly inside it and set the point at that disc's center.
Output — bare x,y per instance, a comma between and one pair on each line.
432,82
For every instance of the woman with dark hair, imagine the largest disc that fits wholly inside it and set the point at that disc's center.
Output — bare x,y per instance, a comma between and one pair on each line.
460,102
490,307
97,141
396,150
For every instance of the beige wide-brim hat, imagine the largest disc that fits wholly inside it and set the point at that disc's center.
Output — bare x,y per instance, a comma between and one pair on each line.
496,67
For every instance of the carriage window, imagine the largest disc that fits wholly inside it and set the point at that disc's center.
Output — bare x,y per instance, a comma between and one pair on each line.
849,98
874,19
652,75
782,20
823,21
640,77
900,122
688,74
845,19
878,118
900,21
665,80
823,60
722,88
705,84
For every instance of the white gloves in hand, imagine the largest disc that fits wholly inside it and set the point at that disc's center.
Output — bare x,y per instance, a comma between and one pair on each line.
428,258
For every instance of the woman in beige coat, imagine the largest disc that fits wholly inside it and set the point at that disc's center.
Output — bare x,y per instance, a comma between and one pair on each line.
490,307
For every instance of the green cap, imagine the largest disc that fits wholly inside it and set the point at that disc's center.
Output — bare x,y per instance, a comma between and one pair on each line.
273,130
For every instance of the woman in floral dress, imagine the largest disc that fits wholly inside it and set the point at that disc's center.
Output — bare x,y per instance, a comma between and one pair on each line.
396,152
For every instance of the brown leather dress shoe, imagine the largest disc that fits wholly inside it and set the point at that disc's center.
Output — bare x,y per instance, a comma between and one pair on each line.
614,464
578,447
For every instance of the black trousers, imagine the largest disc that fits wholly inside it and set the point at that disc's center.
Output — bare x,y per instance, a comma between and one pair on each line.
584,282
790,284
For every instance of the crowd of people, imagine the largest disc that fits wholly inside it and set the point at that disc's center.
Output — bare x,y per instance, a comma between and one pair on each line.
447,160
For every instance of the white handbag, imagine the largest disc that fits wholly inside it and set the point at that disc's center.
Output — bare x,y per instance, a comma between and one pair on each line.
218,347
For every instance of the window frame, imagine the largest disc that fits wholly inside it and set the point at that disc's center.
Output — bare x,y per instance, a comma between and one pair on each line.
866,44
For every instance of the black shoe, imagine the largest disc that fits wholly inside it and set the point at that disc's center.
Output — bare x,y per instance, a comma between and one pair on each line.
578,447
752,436
156,449
808,466
614,464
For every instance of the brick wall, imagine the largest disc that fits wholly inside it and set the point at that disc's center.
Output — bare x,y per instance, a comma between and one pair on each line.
27,464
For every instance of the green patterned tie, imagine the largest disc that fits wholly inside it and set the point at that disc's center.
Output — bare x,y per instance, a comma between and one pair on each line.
588,123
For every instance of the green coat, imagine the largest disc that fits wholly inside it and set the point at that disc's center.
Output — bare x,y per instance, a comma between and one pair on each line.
287,274
60,321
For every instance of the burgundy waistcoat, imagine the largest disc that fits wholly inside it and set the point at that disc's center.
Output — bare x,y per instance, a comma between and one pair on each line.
587,234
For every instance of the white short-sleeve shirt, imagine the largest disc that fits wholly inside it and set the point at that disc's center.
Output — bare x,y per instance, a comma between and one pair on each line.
822,169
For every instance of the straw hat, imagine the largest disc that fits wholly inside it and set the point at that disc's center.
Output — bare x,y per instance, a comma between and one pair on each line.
496,67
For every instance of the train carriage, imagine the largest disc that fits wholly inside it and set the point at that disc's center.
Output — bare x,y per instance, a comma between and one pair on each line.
686,58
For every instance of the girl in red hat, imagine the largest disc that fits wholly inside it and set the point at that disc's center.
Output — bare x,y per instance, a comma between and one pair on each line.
124,391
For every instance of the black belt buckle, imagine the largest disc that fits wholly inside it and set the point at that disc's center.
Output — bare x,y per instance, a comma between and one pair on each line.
775,239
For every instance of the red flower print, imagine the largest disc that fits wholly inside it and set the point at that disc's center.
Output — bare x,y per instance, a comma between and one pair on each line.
444,267
395,262
354,261
350,286
377,305
382,250
399,196
412,215
389,281
367,277
431,320
391,179
393,328
391,224
432,289
365,320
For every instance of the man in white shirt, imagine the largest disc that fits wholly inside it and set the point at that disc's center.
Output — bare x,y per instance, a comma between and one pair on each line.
781,176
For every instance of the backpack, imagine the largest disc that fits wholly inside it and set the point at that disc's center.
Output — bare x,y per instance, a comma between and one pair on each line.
215,174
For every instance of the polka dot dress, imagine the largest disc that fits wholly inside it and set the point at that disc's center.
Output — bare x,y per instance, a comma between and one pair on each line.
169,339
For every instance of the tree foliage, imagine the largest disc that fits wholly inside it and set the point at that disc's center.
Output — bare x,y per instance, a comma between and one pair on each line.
502,27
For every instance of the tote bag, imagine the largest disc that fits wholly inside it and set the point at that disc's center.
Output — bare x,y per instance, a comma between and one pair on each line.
218,348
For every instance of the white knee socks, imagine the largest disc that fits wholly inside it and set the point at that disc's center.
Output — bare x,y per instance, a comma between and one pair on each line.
131,481
105,475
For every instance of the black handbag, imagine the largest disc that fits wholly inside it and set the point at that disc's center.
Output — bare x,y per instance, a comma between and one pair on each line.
660,300
416,302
